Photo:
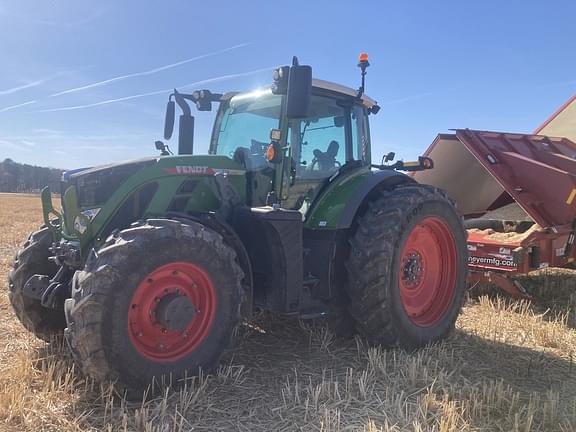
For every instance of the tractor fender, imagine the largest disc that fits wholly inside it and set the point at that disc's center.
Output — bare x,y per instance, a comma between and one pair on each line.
227,232
338,203
379,180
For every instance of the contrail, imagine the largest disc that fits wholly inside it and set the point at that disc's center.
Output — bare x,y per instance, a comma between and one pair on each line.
8,108
226,77
104,102
25,86
148,72
38,82
157,92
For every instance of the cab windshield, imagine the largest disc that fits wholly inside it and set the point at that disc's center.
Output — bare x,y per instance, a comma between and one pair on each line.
245,124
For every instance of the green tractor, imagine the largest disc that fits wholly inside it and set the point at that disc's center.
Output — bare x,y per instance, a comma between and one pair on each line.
152,264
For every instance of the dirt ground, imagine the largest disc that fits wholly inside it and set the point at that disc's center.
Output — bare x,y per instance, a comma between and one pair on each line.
507,367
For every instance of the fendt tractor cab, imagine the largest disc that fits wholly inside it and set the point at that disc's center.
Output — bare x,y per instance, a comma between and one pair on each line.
151,264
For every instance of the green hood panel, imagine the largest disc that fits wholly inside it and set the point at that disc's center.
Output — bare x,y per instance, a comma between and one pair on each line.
152,188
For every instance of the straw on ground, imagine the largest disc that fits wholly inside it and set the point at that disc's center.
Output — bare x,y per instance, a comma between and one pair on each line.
509,367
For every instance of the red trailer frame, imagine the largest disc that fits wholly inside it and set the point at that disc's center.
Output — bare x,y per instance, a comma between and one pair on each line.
498,261
483,171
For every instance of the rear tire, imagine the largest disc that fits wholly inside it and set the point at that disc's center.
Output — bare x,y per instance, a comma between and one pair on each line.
115,325
407,267
32,259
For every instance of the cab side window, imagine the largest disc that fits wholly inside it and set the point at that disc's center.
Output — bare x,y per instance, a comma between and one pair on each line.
318,142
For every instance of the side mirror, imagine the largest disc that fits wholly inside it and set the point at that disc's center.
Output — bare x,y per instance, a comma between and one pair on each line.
299,90
169,120
389,157
163,148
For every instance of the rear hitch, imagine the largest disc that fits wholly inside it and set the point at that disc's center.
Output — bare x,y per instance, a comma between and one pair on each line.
512,286
50,292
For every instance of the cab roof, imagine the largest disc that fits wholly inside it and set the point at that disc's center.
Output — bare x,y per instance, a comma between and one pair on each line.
367,101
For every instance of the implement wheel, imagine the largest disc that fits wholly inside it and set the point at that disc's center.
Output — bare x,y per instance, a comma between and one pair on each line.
157,302
32,259
407,267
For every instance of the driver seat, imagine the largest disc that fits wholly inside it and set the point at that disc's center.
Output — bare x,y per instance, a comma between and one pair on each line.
327,160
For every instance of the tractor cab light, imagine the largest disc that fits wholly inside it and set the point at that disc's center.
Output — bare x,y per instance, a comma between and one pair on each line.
275,134
270,153
363,62
274,153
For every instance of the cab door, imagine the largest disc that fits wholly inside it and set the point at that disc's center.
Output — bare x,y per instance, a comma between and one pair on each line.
334,132
317,148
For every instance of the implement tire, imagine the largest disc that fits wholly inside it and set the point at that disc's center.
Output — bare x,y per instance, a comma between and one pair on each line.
407,267
157,302
32,259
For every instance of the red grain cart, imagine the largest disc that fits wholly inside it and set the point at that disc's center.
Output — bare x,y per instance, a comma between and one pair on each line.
485,172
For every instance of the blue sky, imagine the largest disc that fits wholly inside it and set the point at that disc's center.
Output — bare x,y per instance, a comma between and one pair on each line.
497,65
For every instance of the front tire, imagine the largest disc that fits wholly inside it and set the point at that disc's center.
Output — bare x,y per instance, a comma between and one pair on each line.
407,267
155,303
32,259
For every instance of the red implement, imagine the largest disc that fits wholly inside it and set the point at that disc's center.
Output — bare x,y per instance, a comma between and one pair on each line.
483,171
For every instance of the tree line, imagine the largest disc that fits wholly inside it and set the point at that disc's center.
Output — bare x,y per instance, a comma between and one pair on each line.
17,177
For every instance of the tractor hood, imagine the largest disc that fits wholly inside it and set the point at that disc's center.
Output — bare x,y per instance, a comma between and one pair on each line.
483,171
96,185
95,201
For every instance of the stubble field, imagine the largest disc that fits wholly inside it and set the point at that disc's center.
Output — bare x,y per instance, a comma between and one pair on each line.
508,366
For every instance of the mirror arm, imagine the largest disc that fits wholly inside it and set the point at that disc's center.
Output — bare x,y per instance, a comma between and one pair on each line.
212,97
180,100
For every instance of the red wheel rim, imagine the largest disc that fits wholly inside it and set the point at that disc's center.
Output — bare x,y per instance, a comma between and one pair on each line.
149,336
428,267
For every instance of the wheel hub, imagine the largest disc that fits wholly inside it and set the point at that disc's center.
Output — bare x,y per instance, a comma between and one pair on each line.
428,271
175,312
412,269
172,312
